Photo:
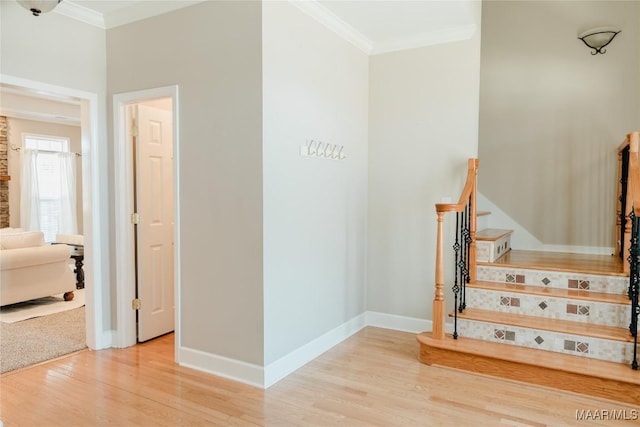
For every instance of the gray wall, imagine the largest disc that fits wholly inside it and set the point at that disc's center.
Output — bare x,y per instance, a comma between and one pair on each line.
61,51
552,115
423,121
212,51
315,210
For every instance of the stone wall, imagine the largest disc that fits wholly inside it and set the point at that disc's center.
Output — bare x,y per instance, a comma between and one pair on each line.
4,172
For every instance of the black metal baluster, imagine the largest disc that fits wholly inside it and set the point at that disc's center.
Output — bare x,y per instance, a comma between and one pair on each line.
456,288
634,278
467,246
623,198
464,264
462,260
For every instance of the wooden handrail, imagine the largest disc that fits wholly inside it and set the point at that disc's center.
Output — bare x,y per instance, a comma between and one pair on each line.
468,196
624,144
467,191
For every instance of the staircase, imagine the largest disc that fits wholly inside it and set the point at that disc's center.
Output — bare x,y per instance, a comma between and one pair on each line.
550,319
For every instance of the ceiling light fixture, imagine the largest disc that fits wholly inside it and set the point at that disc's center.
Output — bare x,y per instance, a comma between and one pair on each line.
39,6
598,38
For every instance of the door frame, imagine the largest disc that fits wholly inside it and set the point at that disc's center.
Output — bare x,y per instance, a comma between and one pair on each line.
94,202
125,333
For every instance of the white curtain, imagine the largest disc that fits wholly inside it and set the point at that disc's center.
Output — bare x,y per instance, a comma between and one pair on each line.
29,193
67,221
48,194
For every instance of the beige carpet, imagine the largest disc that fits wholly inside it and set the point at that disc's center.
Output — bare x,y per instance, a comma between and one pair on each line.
35,340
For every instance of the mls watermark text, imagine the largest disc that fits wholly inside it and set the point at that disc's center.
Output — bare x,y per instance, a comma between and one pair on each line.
607,414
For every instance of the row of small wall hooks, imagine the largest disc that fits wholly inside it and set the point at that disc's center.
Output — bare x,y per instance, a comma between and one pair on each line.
323,150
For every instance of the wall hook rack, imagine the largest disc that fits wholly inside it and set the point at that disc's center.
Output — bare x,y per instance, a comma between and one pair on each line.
325,150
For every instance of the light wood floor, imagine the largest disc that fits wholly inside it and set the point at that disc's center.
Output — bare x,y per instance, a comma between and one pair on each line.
554,261
372,379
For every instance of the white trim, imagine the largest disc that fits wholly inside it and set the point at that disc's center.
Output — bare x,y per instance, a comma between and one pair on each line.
125,15
40,117
426,39
125,334
330,20
80,13
398,323
333,22
258,376
92,209
107,337
282,367
592,250
237,370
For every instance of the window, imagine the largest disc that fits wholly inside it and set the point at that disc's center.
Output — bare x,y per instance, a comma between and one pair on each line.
49,184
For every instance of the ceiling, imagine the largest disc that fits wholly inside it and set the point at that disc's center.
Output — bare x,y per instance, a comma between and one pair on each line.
374,26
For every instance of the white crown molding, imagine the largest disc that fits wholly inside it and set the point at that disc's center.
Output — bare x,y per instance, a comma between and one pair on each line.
80,13
330,20
426,39
313,8
123,16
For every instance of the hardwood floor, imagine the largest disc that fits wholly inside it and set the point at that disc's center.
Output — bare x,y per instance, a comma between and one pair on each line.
373,378
553,261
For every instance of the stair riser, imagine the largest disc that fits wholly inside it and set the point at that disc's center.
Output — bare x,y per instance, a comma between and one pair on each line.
554,279
595,348
551,308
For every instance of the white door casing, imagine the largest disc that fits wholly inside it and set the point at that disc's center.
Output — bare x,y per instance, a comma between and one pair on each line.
125,334
95,201
155,247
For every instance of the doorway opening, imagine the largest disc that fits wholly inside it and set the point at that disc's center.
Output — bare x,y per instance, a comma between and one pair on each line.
146,215
97,337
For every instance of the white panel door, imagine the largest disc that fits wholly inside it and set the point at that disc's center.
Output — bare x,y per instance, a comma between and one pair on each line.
154,183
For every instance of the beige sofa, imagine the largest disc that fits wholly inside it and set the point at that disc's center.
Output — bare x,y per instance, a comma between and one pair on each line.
30,268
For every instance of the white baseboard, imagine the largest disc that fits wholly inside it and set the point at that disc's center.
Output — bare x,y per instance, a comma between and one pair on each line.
282,367
221,366
592,250
397,323
258,376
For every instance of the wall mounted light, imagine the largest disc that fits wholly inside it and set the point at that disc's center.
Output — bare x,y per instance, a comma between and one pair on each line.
598,38
39,6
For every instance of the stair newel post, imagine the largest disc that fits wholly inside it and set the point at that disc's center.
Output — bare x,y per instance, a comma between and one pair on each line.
438,300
